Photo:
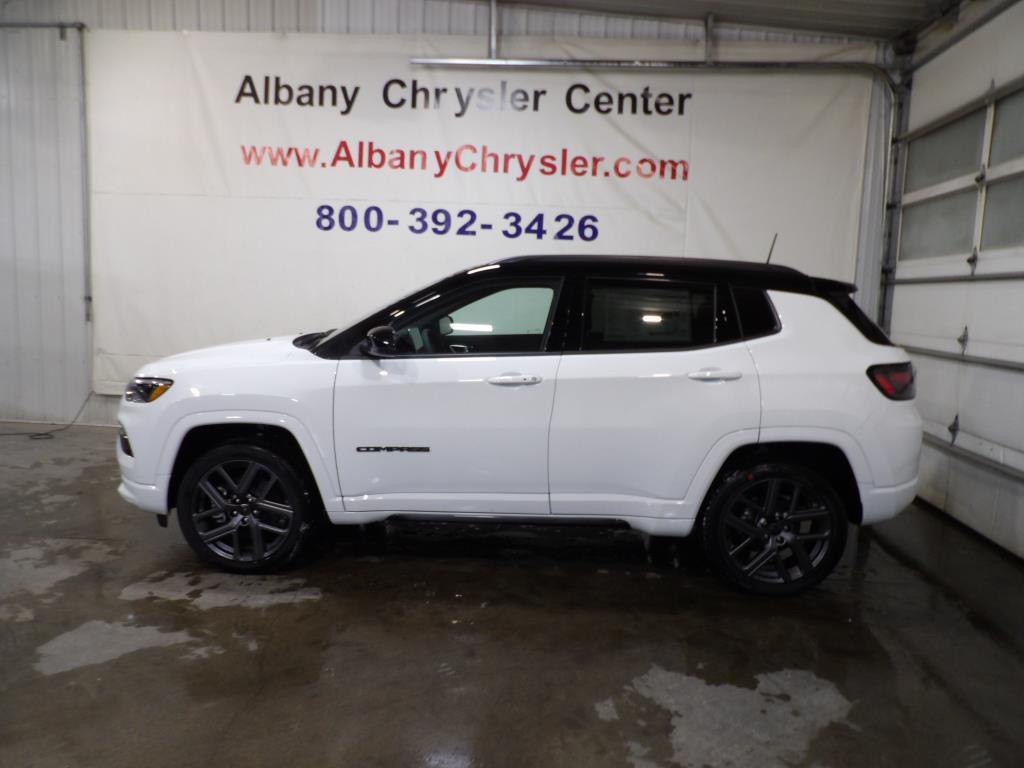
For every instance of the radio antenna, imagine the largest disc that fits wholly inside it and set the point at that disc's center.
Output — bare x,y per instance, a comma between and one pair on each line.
772,248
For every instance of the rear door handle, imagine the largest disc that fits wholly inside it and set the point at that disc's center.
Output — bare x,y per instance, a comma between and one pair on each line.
514,380
714,374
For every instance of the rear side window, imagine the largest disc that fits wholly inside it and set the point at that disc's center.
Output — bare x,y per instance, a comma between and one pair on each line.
756,313
648,315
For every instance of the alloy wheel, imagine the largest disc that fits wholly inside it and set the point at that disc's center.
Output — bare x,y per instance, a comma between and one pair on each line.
242,511
777,530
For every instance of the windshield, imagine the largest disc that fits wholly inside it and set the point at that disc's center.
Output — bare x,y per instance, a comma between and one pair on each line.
381,316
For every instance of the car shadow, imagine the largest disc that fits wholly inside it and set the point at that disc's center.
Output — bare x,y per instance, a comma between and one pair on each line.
614,546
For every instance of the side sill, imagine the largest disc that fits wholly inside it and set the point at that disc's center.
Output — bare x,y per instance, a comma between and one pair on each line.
648,525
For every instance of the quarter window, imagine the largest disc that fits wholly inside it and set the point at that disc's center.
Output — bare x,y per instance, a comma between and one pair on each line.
648,315
757,317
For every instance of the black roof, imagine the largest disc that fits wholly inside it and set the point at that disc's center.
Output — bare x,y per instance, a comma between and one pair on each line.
734,273
746,273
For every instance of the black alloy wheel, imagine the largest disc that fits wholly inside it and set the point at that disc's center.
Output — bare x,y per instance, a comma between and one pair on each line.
774,529
244,509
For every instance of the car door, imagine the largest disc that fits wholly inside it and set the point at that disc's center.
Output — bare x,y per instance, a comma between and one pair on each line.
457,421
657,377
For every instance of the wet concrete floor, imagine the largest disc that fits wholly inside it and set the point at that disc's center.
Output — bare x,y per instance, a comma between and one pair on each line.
417,644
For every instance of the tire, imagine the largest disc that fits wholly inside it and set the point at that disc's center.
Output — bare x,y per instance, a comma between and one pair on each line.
774,529
245,509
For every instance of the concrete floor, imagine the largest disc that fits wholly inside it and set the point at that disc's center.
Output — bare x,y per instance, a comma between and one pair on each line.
425,645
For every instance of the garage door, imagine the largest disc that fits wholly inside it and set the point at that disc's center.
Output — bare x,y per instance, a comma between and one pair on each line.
958,305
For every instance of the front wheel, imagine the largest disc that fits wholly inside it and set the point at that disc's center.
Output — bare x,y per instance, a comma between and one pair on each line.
243,508
774,529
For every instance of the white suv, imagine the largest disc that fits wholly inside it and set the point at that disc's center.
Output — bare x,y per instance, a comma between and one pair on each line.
753,402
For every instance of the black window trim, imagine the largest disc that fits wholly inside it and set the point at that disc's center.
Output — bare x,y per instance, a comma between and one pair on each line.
564,334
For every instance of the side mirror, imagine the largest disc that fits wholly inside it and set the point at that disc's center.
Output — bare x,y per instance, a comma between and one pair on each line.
380,342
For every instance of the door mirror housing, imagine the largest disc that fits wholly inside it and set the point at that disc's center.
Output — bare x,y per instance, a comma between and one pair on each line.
381,341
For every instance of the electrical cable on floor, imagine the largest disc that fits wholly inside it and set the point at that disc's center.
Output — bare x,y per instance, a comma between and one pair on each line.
49,433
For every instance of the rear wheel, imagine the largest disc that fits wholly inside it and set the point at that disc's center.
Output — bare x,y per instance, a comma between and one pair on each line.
244,509
774,529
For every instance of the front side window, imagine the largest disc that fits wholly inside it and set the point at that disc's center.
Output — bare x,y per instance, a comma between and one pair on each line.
504,319
625,315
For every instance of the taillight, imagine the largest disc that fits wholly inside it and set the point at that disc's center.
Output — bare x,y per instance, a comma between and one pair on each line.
895,380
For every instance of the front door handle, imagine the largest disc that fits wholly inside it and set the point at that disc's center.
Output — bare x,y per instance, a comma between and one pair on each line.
514,380
714,374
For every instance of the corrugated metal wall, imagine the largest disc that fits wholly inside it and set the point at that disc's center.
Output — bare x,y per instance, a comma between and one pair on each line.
457,17
338,16
44,340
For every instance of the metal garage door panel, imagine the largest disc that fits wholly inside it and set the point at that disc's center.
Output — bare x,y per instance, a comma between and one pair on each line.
937,393
936,266
972,495
991,406
989,450
929,315
999,261
991,261
1008,516
933,476
994,320
990,503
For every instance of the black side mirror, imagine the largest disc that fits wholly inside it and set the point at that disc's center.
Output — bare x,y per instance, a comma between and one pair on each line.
380,342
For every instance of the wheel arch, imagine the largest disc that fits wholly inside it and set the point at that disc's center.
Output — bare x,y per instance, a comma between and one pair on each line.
201,438
826,459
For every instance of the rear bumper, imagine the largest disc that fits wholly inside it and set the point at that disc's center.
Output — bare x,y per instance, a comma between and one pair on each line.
880,504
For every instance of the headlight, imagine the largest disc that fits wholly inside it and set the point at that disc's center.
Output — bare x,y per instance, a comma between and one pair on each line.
146,390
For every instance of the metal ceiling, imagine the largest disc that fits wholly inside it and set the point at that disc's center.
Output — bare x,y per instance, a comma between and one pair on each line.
887,19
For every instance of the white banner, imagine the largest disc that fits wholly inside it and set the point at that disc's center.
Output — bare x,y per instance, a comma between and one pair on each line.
254,184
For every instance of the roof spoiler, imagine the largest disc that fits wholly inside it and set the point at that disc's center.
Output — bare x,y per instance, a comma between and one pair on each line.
824,285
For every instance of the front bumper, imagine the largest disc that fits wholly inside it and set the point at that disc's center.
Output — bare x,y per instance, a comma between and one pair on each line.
149,498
